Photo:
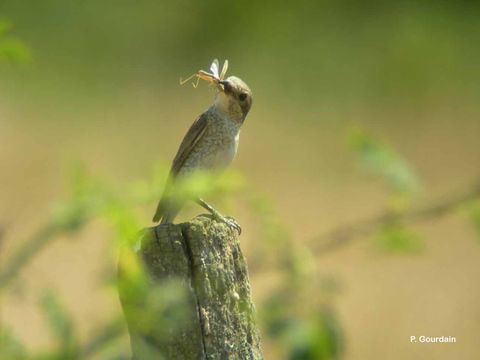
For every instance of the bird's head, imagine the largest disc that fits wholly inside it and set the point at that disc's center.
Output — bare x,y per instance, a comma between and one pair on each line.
234,98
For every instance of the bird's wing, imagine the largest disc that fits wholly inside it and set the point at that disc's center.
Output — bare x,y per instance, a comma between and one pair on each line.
194,134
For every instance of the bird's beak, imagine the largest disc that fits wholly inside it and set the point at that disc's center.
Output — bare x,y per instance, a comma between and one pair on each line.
224,86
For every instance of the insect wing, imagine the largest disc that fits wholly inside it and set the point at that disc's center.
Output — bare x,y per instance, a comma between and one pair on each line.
224,70
214,68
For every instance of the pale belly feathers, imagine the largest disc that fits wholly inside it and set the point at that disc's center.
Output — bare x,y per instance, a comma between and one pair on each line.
216,149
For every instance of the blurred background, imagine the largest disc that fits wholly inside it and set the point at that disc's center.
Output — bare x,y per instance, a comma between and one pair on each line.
360,108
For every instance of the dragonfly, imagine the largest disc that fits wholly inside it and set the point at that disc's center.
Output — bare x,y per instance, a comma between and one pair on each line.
213,77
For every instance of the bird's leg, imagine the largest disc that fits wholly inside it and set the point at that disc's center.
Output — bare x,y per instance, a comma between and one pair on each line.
217,216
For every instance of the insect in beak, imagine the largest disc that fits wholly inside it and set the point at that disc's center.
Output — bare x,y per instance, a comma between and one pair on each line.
213,77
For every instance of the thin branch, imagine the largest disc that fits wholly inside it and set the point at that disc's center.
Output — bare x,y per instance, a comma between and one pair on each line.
344,234
25,253
103,337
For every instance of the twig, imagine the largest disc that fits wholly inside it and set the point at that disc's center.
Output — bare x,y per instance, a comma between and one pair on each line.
25,253
344,234
103,336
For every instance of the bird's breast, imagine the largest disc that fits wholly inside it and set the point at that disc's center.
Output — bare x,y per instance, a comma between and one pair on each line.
217,147
222,145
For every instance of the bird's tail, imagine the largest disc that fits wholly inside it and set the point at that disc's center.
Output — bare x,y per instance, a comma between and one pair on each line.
166,211
168,207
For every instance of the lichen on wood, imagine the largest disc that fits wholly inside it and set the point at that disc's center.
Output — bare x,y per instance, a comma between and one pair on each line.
202,264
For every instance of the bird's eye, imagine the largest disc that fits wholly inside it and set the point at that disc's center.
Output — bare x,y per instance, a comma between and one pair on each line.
242,96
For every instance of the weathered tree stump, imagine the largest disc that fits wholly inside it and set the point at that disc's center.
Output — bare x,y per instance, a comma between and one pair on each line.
194,302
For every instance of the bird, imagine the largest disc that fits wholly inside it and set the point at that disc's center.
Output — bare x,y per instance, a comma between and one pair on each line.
210,144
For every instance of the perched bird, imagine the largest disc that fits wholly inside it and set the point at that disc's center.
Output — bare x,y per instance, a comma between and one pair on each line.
211,143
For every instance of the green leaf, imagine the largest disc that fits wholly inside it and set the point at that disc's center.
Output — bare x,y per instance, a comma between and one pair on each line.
474,213
206,184
14,50
59,322
276,314
5,26
398,238
382,160
319,338
10,347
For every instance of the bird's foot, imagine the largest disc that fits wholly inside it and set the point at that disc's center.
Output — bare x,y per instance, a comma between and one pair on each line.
228,220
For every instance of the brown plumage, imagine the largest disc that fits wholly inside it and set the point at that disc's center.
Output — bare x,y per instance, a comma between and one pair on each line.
210,143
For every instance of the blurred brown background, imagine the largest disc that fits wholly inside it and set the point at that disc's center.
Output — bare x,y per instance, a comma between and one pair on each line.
102,88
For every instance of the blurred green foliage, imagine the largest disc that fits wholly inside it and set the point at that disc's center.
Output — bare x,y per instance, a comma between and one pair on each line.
474,212
161,311
396,237
311,53
301,326
318,339
12,49
305,327
10,347
314,52
276,241
61,327
382,160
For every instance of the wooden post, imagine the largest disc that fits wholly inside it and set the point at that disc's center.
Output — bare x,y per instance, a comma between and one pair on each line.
213,318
